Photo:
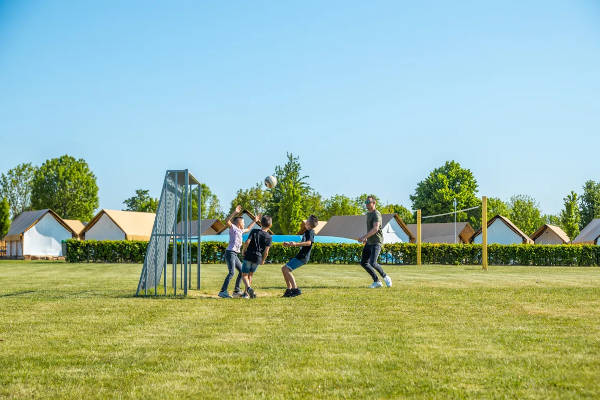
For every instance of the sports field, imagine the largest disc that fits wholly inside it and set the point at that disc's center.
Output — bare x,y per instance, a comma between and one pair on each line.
76,331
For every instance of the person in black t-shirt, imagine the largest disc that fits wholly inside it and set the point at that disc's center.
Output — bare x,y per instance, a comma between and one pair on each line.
256,251
302,258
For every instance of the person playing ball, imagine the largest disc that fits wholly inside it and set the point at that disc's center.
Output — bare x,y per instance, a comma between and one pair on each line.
302,258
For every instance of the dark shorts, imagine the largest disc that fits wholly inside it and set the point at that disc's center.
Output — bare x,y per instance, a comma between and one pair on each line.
249,267
294,263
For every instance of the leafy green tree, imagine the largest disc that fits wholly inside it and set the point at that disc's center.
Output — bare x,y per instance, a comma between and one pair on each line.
4,217
254,199
15,187
142,201
407,216
210,206
340,205
570,216
497,207
67,186
525,213
436,194
286,204
589,203
313,204
551,219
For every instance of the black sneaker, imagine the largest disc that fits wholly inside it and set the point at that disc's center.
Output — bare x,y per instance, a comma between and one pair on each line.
296,292
251,293
287,293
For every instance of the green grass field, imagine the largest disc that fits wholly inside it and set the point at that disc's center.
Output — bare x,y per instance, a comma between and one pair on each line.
76,331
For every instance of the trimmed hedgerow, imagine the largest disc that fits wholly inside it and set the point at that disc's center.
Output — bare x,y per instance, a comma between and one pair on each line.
343,253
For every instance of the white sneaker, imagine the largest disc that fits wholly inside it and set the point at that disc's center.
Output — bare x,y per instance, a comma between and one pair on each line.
376,285
388,281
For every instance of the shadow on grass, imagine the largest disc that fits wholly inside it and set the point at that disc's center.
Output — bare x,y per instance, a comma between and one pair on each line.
19,293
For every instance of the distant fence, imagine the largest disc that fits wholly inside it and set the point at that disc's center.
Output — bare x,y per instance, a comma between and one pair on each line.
124,251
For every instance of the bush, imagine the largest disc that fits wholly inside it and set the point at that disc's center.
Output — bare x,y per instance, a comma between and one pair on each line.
336,253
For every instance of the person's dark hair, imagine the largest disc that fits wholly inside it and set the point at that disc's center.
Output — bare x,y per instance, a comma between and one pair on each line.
372,198
237,219
266,221
313,221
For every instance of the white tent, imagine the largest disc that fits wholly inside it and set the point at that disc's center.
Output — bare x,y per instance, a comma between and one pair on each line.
119,225
502,231
37,233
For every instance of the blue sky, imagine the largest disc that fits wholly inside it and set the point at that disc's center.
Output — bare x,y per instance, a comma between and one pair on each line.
371,95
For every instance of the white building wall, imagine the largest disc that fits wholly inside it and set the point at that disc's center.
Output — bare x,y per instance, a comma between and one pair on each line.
104,229
45,238
548,237
500,233
393,233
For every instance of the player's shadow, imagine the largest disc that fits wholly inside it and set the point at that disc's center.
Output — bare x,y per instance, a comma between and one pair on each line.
311,287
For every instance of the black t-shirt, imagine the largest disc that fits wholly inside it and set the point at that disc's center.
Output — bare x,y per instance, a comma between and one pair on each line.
259,241
304,253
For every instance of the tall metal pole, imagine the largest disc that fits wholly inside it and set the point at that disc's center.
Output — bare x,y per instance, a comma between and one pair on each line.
418,237
167,239
455,220
484,250
186,233
198,250
175,236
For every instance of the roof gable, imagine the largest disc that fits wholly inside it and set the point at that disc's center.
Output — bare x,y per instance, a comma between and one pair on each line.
558,232
526,239
443,232
24,221
136,225
589,234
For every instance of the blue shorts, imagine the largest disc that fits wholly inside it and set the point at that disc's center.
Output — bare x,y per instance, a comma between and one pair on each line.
249,267
294,263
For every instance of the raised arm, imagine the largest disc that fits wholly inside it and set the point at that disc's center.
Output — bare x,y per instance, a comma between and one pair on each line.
237,210
249,228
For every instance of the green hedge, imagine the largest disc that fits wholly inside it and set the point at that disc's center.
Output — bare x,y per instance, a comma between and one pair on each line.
334,253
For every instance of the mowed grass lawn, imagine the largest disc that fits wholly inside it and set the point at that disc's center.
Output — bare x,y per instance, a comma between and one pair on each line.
76,331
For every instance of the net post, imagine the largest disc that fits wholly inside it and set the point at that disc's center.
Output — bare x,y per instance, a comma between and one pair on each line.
484,249
418,237
199,250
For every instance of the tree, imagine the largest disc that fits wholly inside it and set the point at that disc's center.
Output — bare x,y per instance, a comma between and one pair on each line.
436,194
254,199
286,202
497,207
4,217
340,205
210,205
313,204
589,203
525,213
407,216
15,187
141,202
570,216
551,219
67,186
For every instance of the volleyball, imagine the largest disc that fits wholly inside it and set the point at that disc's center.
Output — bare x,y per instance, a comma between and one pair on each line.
270,181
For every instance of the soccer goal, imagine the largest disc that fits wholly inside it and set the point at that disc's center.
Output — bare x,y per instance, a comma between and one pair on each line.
173,235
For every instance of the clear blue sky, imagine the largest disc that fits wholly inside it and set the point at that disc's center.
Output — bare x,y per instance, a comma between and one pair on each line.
371,95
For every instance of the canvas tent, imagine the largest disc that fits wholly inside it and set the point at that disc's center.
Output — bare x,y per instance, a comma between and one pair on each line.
550,234
502,231
119,225
590,234
443,232
75,225
37,233
354,226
